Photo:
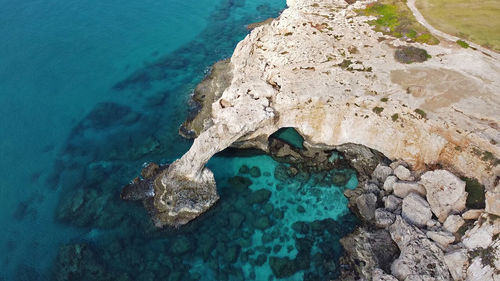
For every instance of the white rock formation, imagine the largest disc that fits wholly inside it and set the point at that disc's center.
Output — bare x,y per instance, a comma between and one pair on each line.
389,183
289,74
445,193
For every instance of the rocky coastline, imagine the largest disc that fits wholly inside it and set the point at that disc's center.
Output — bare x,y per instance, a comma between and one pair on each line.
423,138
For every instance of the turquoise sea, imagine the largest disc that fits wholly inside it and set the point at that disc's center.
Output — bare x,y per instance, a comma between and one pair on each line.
92,90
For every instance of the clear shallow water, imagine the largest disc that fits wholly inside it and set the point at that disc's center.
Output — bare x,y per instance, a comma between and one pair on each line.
90,90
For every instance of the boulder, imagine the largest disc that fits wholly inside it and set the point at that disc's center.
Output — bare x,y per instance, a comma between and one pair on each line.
384,218
453,223
457,262
403,173
371,187
366,204
403,188
445,193
442,238
389,183
473,214
493,202
419,256
392,203
416,210
381,172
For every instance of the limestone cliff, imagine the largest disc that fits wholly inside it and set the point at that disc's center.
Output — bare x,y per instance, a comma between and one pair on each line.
320,68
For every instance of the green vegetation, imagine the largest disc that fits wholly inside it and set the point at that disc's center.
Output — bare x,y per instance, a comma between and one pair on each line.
421,113
475,21
394,117
487,255
410,54
384,99
345,64
463,44
475,198
395,18
378,110
288,33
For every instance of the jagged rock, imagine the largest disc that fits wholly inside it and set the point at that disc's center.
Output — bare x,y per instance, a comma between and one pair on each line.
366,204
445,193
416,210
473,214
380,275
481,235
375,248
433,224
493,202
457,262
384,218
389,183
403,188
381,173
453,223
442,238
403,173
392,203
419,256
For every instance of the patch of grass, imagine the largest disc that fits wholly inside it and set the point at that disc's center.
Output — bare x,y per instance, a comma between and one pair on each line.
475,198
345,64
384,99
421,113
395,117
475,21
463,44
395,18
378,110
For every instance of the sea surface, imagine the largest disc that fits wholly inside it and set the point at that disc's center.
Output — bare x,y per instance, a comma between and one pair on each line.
92,90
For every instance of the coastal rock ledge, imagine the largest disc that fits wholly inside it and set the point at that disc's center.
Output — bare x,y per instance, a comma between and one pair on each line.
321,69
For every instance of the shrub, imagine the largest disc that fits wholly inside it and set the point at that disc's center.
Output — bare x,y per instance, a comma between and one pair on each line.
421,113
384,99
394,117
410,54
463,44
378,110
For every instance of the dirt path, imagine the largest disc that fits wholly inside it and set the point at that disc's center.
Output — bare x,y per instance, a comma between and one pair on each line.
420,18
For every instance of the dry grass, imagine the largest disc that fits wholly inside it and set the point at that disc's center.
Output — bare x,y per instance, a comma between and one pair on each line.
477,21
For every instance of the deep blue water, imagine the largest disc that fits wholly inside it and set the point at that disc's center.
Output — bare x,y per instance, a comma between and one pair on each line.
91,90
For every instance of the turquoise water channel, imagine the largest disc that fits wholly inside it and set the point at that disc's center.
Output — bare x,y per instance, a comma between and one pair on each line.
92,90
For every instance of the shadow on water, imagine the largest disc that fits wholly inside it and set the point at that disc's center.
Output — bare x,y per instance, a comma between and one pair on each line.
252,233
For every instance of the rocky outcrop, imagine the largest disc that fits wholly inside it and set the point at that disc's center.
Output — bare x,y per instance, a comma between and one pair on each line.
428,250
